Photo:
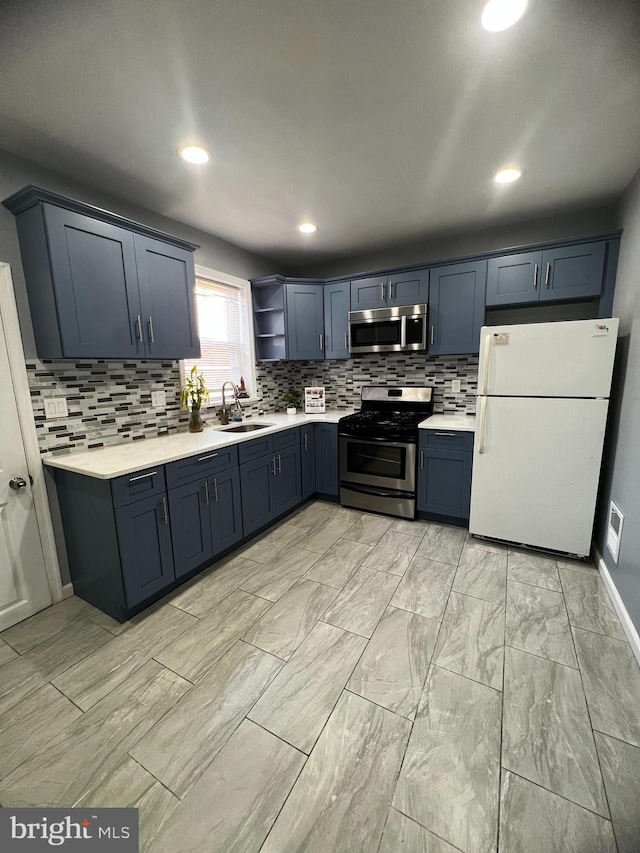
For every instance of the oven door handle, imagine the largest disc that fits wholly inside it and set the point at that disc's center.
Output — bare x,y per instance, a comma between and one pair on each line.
382,493
365,439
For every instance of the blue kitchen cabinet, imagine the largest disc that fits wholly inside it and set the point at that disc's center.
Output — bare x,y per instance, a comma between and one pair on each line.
326,453
305,321
225,506
308,460
337,304
444,474
258,496
367,293
144,541
572,272
456,308
514,279
287,483
408,288
190,526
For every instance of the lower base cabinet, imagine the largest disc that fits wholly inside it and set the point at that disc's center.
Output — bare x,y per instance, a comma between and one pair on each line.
326,453
225,510
444,474
270,486
308,460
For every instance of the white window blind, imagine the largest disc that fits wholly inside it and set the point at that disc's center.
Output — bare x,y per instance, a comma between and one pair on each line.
223,327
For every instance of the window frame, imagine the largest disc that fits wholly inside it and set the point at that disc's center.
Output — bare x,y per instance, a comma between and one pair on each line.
242,284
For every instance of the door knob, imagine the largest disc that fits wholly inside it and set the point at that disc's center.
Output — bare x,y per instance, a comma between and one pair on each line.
17,483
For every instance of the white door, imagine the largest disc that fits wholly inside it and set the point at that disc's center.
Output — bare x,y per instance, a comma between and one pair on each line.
23,581
536,480
572,359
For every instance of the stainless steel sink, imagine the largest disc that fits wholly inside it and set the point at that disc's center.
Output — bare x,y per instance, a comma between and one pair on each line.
245,427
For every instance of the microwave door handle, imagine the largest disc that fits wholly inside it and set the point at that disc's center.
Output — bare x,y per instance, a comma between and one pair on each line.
403,332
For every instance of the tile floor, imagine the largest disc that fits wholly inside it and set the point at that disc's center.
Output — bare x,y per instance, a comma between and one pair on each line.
346,682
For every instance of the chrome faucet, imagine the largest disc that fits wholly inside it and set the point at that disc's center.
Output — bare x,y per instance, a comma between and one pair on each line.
224,411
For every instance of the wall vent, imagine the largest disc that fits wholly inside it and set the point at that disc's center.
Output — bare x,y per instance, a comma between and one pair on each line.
614,531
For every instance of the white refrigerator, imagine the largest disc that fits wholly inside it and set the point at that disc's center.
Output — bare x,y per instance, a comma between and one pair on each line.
543,395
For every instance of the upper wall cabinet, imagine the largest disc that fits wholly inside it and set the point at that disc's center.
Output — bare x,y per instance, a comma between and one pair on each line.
456,308
337,304
100,286
406,288
552,275
305,321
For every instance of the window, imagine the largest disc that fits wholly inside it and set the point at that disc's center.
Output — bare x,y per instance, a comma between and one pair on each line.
226,333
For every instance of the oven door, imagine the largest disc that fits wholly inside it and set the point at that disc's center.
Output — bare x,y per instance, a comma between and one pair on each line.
378,462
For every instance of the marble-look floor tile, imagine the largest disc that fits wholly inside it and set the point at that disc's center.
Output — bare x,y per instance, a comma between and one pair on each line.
282,628
196,651
611,683
313,514
345,513
450,776
45,624
6,653
620,764
300,699
589,604
482,574
418,527
362,602
234,803
533,569
393,553
533,820
442,543
405,835
94,677
584,566
320,539
185,741
485,545
537,623
89,749
340,800
130,786
277,577
547,736
207,590
31,724
368,529
29,672
394,666
336,566
273,546
425,588
471,641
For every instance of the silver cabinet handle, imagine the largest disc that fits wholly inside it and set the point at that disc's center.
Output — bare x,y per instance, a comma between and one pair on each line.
431,337
535,276
151,338
321,336
206,492
273,465
165,514
382,291
215,490
139,328
447,434
392,290
204,458
346,340
547,279
142,476
279,464
305,441
422,460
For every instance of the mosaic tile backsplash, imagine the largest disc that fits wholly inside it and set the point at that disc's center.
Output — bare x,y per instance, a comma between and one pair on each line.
110,402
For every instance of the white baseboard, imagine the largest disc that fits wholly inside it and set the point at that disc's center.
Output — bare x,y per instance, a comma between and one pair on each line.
621,610
67,590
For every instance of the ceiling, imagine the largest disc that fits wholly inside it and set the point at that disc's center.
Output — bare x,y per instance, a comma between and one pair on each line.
383,122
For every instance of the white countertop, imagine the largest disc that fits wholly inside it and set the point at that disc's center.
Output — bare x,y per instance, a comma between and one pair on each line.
454,422
108,462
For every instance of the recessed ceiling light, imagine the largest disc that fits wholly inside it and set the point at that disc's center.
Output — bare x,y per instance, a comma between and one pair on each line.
307,228
194,154
507,176
501,14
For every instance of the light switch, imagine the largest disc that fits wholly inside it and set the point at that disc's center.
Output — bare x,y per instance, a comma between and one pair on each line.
158,399
455,386
56,408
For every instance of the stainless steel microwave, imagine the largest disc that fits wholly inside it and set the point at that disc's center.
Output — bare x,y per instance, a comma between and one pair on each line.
399,329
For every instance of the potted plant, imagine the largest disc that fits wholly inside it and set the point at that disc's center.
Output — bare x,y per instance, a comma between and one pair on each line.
292,399
192,396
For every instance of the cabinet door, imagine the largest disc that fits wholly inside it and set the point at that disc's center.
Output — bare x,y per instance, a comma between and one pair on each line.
167,297
456,308
190,526
226,509
288,481
258,496
337,304
305,322
96,286
444,482
327,459
574,272
145,548
308,460
369,293
409,288
514,279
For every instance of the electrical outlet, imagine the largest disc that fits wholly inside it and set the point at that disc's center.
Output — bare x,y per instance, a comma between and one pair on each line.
55,408
455,386
158,399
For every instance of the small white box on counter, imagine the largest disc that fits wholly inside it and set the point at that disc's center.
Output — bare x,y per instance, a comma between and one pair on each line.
314,400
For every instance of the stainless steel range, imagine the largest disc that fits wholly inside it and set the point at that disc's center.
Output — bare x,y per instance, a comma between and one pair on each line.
378,449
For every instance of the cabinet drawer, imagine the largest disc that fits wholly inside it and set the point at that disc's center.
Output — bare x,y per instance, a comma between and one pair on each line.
254,449
141,484
289,438
447,439
201,466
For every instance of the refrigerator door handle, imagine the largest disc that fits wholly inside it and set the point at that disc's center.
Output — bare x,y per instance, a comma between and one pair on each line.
485,366
483,420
